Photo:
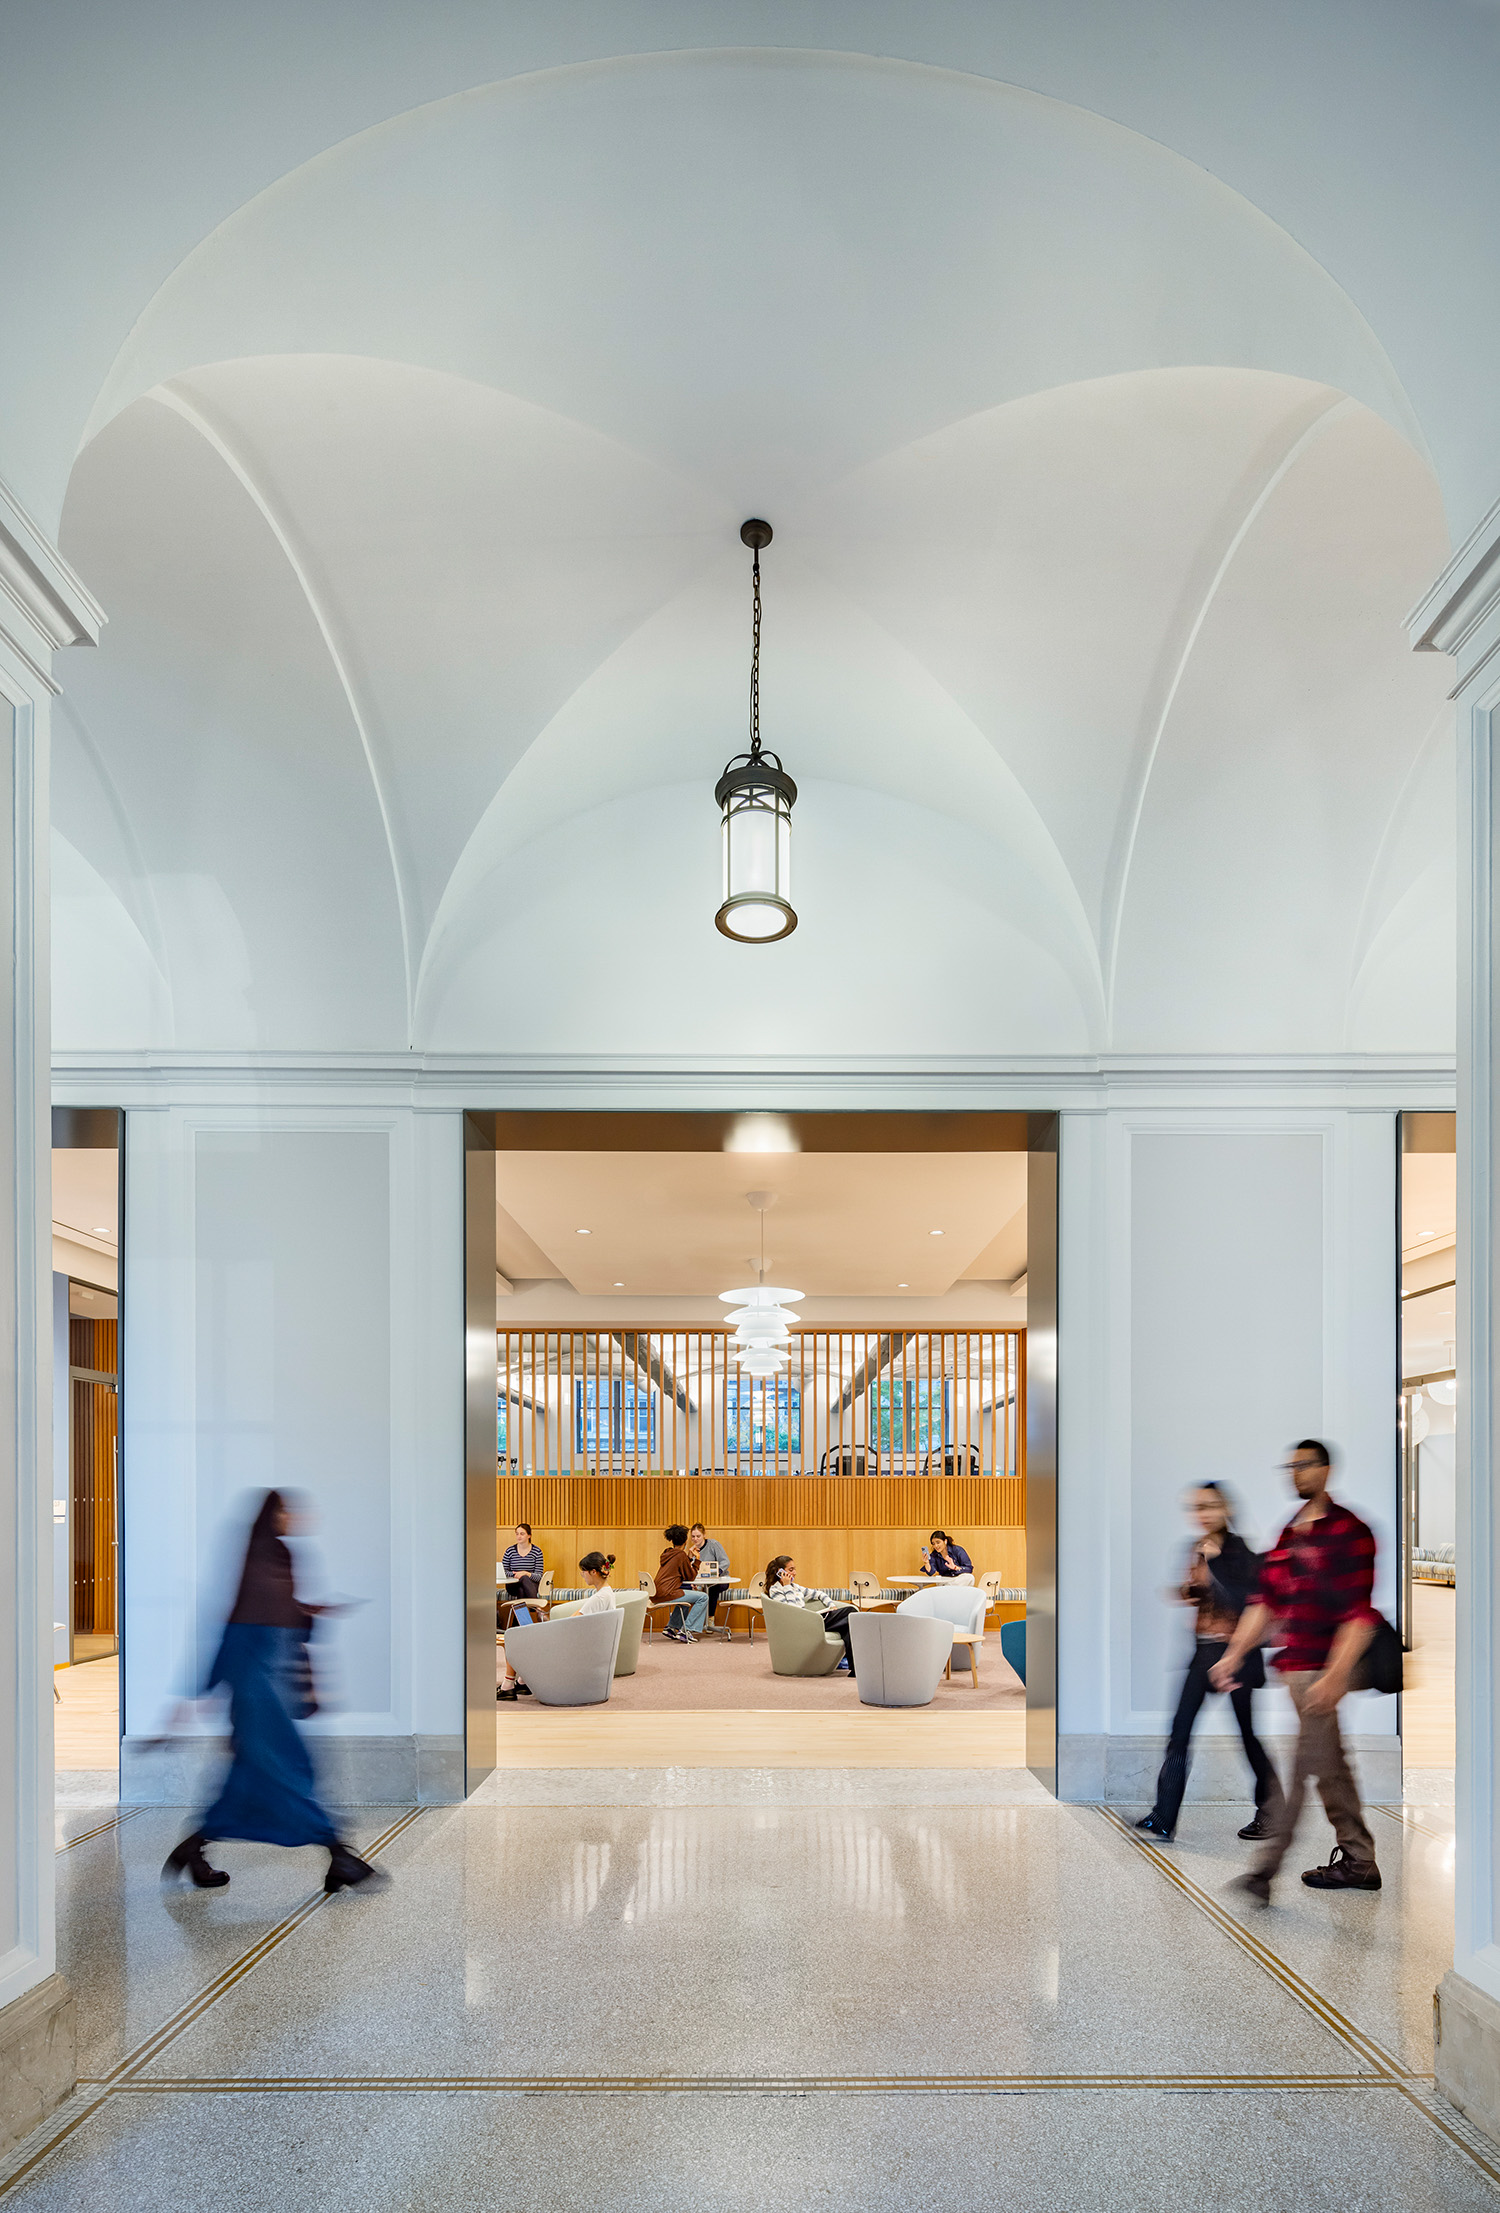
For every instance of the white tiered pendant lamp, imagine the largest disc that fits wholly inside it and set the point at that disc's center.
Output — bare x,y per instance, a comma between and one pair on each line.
762,1312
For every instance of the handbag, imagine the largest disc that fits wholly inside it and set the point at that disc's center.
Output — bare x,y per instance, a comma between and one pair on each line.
1379,1666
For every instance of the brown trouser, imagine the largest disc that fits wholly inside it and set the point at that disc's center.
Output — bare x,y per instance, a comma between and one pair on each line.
1320,1752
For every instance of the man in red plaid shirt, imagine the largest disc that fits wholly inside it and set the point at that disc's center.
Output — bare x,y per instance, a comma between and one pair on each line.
1314,1598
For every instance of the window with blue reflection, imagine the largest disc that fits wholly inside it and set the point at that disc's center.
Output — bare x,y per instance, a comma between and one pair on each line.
762,1417
615,1417
915,1417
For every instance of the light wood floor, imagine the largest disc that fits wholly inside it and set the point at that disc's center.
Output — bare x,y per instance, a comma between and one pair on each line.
86,1721
869,1736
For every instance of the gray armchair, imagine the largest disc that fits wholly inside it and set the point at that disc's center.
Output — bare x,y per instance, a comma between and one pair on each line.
899,1658
632,1604
800,1645
567,1663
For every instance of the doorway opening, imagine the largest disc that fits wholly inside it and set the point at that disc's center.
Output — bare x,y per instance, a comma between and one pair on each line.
885,1456
87,1623
1430,1566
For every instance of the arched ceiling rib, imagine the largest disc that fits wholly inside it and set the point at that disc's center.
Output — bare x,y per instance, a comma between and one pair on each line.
201,418
1303,425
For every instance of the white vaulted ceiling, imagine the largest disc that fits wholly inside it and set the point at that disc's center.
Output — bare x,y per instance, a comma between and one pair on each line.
414,497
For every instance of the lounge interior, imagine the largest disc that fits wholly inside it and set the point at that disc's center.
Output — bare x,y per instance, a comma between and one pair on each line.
1429,1248
898,1409
85,1490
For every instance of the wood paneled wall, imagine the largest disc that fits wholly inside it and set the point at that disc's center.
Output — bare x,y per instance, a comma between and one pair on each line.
94,1346
832,1526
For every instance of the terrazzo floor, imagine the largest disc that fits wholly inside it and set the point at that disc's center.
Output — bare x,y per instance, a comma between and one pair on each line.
848,2002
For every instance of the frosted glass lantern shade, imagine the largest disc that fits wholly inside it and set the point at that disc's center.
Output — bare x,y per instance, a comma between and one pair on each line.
756,798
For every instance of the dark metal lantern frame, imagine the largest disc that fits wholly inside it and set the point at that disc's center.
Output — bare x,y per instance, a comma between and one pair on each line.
754,784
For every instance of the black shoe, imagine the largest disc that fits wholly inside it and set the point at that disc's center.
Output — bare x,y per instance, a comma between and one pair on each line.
1257,1887
1343,1873
1255,1828
187,1859
502,1692
525,1690
1153,1827
346,1869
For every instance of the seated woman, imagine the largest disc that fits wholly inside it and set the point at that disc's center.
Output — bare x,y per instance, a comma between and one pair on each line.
677,1569
947,1557
783,1589
594,1568
522,1562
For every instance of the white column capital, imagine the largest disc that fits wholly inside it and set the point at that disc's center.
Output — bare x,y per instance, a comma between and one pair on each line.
1460,614
43,604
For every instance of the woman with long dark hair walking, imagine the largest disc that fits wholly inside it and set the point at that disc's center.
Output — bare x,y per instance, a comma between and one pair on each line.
269,1795
1220,1574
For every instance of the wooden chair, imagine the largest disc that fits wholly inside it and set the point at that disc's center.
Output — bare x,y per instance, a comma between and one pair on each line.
865,1590
992,1583
657,1609
751,1605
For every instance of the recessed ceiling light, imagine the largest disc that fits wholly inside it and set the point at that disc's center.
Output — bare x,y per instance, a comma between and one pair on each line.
101,1229
585,1233
619,1286
934,1233
903,1287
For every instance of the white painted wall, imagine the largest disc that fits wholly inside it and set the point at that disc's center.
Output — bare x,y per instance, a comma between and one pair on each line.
294,1298
1437,1504
1227,1285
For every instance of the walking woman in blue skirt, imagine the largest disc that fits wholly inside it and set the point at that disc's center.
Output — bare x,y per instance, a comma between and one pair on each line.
269,1795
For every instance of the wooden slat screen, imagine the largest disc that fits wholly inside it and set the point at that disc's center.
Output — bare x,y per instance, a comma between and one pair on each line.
874,1440
902,1403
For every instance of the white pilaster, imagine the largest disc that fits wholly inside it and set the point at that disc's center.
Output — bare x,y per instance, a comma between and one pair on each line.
1226,1284
42,607
1461,617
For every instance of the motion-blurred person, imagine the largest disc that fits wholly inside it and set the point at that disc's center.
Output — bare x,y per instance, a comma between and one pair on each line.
947,1557
1314,1587
523,1565
712,1559
783,1589
675,1572
594,1567
268,1796
1220,1574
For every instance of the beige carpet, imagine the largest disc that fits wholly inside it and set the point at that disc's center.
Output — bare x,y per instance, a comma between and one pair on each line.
713,1675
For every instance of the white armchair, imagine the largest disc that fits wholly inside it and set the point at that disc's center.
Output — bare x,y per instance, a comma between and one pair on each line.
567,1663
899,1662
959,1603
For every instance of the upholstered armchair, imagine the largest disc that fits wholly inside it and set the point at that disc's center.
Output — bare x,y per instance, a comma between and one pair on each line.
800,1645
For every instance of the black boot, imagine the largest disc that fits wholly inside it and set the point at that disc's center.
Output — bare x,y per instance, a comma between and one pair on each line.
188,1859
346,1869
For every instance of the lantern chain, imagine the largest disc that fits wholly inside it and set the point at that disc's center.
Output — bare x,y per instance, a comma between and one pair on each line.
755,662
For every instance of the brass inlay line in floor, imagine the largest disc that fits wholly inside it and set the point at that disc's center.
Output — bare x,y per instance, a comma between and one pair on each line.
733,2085
126,1813
145,2052
1414,2087
1367,2048
1405,1821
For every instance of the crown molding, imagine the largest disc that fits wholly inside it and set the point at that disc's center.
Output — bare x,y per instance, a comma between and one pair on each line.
448,1082
44,606
1460,614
